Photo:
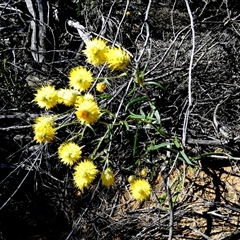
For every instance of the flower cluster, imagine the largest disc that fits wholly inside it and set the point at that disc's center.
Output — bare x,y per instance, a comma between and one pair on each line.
97,53
87,112
67,97
85,171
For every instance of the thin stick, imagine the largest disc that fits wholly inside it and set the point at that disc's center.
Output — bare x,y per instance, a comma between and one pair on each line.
185,123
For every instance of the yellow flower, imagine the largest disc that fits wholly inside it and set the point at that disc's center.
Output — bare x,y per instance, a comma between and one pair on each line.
45,134
67,97
87,111
143,172
117,59
80,78
95,51
140,189
85,173
86,97
45,120
69,153
107,178
43,129
46,97
101,87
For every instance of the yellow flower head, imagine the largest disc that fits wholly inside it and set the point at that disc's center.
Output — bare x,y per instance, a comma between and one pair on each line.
80,78
117,59
69,153
86,97
107,177
45,120
140,189
101,87
46,97
85,173
43,129
87,111
95,51
67,97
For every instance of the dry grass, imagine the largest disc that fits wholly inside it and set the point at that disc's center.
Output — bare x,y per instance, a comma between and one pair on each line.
199,201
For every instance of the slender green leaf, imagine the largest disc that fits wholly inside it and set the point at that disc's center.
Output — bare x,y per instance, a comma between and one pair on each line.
105,96
126,125
163,133
156,147
158,118
139,99
142,113
155,83
135,116
133,90
138,162
185,157
176,142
